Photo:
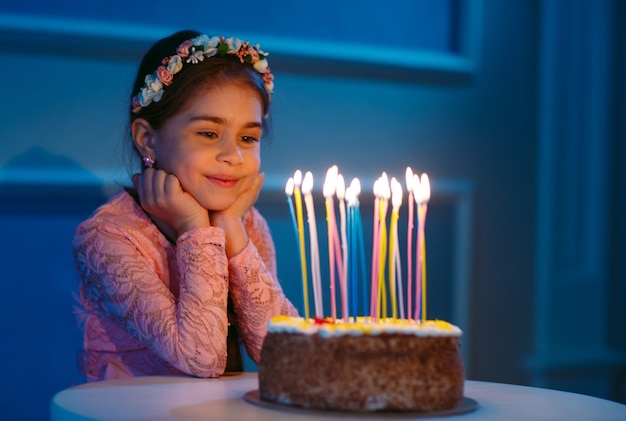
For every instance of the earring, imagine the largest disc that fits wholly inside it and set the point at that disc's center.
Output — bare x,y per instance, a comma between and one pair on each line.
148,161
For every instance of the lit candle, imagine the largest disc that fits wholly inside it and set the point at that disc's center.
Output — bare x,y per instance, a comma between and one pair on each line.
424,198
399,279
417,189
375,251
356,251
396,201
297,179
350,260
384,205
343,286
307,187
409,241
355,186
334,248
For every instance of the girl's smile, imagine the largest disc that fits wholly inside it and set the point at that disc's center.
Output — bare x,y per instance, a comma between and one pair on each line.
223,180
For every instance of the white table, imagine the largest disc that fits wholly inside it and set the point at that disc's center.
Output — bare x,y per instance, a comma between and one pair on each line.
158,398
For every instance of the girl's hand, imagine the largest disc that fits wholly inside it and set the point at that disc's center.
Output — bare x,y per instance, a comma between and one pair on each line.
162,196
242,203
231,219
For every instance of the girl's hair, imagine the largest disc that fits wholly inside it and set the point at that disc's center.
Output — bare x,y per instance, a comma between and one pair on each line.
186,84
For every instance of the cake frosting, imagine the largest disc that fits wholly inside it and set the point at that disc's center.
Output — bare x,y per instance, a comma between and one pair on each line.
362,364
361,326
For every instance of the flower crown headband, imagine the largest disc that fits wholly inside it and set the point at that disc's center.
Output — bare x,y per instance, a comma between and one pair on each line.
194,51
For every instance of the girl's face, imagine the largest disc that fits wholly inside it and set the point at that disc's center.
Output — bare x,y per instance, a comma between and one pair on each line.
213,146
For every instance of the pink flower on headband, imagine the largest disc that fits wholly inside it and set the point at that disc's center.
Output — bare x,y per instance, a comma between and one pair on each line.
254,54
268,78
183,49
164,75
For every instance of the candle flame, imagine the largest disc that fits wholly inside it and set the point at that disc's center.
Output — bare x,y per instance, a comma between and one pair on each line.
396,194
340,187
307,183
376,188
409,179
330,183
425,182
385,190
289,187
297,178
417,188
350,196
355,185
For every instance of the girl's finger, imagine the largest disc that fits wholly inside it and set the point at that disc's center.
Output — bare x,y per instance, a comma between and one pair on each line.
157,185
171,185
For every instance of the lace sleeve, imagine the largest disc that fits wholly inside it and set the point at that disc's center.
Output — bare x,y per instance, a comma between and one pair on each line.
120,281
257,296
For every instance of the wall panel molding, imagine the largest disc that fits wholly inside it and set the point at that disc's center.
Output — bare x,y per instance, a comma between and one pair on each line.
124,41
572,258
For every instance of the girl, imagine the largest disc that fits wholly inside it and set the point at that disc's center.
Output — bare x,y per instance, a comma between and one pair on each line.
175,268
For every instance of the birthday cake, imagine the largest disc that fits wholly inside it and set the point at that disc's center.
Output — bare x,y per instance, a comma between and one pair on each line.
362,365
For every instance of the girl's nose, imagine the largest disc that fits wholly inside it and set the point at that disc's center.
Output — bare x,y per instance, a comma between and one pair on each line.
230,152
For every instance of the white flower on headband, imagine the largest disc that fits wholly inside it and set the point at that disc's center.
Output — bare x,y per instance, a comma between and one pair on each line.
194,51
196,56
209,44
152,91
174,65
153,83
234,45
260,66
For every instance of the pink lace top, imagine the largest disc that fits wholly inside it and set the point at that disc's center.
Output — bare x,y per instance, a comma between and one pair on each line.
151,307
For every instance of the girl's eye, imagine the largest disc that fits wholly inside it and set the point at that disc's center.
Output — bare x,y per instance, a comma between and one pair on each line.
208,135
249,139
